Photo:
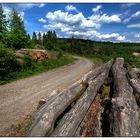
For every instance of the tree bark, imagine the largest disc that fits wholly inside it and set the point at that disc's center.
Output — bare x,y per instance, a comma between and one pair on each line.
124,107
134,79
43,123
71,121
19,55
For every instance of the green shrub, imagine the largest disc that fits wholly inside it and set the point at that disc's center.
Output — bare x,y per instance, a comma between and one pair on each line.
16,41
28,61
8,62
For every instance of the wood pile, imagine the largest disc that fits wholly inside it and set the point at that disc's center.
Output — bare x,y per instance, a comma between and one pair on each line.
136,54
79,110
35,54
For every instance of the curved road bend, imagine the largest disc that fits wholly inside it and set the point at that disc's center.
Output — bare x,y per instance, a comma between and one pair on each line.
20,98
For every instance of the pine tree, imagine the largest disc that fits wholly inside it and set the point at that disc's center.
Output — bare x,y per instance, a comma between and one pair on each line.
54,35
39,38
16,23
28,36
3,22
49,36
34,38
44,39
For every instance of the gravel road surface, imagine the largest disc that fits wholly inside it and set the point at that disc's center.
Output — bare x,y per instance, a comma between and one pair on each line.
20,98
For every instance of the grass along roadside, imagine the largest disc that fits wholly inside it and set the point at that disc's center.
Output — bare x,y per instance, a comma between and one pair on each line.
95,60
36,68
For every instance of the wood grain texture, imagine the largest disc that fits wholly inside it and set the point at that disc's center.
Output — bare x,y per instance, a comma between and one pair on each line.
74,117
125,109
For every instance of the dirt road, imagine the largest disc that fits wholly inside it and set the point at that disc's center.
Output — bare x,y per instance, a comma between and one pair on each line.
20,98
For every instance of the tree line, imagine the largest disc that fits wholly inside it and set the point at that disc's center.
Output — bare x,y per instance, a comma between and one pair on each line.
13,34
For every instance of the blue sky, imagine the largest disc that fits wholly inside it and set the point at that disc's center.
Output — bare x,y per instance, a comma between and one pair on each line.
105,22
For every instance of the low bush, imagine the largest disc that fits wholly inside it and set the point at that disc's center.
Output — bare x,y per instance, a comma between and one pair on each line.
8,62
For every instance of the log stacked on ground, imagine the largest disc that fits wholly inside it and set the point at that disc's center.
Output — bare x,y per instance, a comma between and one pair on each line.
46,116
74,117
35,54
125,109
66,112
135,83
44,123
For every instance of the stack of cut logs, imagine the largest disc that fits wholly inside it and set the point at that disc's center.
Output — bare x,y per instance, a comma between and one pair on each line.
136,54
35,54
79,110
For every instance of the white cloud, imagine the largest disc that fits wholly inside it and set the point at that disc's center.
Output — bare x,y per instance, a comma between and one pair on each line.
94,35
65,17
78,21
22,15
137,35
127,5
96,9
25,6
133,16
81,26
22,7
136,15
104,18
7,11
71,8
121,38
41,5
42,20
134,25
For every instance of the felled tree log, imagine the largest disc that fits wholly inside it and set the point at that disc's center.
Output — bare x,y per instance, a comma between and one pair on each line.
20,60
92,125
124,107
44,121
71,121
35,54
22,51
19,55
96,72
42,101
134,75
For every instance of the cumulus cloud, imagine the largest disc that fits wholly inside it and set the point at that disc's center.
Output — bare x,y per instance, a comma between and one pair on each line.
134,25
81,26
127,5
6,11
133,16
42,20
22,15
96,9
104,18
78,21
137,35
94,35
71,8
41,5
22,7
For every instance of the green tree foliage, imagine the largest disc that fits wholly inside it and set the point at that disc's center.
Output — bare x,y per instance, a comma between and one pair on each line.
16,37
3,23
39,39
44,39
16,23
34,38
8,61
